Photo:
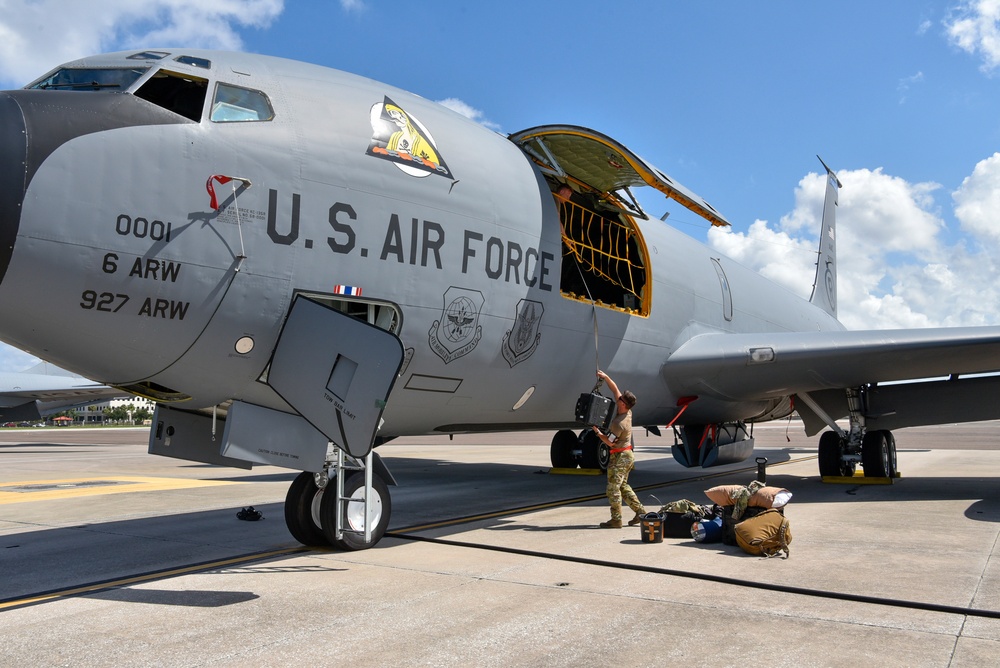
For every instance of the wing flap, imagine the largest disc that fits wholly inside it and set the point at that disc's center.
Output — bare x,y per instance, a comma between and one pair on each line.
912,404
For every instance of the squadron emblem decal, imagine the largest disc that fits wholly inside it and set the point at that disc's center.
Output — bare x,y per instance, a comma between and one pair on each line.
458,331
522,338
399,137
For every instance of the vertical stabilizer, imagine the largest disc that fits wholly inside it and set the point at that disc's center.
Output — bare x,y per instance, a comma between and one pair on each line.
824,294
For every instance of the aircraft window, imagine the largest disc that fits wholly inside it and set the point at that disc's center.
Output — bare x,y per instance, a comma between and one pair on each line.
233,104
194,62
148,55
179,93
603,255
118,79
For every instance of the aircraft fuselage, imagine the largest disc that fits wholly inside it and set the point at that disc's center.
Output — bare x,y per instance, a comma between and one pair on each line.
118,268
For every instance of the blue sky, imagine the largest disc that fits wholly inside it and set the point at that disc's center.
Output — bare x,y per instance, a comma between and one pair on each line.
733,99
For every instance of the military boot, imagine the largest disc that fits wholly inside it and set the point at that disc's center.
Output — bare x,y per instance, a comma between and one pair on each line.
611,524
635,520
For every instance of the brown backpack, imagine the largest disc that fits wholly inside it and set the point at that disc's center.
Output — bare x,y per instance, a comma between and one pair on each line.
767,534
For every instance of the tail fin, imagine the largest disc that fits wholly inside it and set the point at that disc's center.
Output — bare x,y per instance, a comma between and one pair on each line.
824,294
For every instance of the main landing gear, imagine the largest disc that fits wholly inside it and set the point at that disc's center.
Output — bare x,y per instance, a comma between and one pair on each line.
839,454
569,450
331,508
841,451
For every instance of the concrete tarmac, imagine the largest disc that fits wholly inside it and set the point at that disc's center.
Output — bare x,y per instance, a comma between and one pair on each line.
112,557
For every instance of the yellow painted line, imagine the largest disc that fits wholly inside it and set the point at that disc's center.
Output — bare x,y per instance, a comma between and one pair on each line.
72,488
147,577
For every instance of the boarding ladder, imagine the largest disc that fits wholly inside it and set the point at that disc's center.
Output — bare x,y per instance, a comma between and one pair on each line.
343,464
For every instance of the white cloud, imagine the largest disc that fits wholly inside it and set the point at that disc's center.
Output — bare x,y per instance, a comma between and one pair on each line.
36,36
974,26
12,359
904,85
894,268
977,201
469,112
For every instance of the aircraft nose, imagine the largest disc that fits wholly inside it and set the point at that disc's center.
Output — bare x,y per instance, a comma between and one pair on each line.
13,165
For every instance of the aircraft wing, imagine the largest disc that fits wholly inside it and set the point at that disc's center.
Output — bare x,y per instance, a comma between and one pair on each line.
771,365
28,395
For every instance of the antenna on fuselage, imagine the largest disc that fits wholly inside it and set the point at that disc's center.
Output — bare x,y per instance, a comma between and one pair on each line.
824,293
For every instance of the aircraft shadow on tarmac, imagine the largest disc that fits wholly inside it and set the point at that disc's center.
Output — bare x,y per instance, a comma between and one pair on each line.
195,598
429,491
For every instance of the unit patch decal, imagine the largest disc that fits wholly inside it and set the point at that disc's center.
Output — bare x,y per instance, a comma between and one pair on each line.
522,338
458,331
401,138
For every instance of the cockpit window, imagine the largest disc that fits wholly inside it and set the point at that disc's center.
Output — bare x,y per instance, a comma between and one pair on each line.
180,93
117,79
233,104
148,55
194,62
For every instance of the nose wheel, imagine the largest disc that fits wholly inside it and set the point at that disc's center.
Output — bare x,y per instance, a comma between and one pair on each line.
302,511
314,517
346,529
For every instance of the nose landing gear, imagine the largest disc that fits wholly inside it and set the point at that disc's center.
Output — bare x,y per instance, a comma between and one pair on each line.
347,506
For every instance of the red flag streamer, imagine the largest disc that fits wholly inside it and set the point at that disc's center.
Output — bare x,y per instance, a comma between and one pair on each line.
683,402
222,179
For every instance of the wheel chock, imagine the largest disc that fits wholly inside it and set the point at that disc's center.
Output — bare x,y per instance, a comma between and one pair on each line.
568,471
859,478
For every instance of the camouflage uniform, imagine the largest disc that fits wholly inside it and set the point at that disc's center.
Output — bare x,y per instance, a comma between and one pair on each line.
618,469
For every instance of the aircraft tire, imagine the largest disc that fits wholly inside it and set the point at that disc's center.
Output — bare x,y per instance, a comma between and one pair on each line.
381,509
830,463
302,506
875,454
891,441
596,455
564,442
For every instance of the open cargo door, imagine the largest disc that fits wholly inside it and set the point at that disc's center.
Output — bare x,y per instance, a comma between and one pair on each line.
605,165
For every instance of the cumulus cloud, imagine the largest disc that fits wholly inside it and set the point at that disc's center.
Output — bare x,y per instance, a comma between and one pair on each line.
469,112
974,26
977,202
895,268
36,36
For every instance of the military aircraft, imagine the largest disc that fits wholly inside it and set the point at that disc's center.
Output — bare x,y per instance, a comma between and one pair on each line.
44,389
298,264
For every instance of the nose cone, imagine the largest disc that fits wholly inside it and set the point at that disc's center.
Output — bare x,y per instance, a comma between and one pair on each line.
13,165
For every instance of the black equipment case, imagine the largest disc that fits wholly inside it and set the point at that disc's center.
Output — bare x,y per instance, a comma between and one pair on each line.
594,409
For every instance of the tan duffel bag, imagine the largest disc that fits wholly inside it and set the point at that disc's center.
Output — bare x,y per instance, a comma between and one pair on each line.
767,534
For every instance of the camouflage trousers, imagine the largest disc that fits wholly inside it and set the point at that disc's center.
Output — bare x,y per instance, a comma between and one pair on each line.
618,488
